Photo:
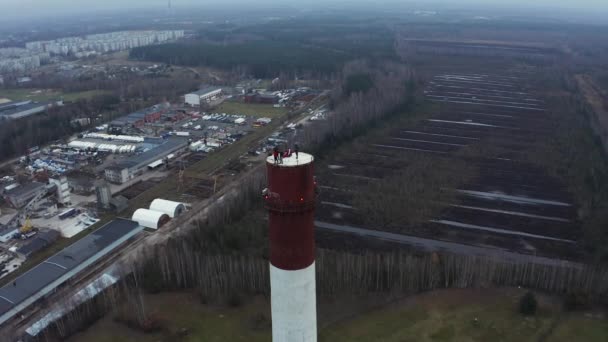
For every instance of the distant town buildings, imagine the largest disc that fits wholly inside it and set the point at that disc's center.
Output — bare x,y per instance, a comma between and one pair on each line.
102,43
21,60
38,53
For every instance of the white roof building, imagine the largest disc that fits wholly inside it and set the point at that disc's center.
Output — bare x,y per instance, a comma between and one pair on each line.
205,94
173,209
150,218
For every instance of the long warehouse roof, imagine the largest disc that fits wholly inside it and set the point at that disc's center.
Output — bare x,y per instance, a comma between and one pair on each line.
158,152
205,91
38,281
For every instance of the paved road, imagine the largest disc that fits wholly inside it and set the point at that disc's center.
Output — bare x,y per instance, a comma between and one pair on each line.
445,246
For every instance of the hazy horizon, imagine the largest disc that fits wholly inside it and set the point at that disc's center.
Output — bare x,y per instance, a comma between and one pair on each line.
48,8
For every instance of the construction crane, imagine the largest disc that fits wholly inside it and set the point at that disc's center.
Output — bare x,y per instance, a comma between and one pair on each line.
26,227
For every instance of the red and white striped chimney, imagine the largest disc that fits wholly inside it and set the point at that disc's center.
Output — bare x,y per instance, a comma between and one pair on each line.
290,200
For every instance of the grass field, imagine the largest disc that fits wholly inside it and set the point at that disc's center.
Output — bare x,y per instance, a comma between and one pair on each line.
251,109
580,328
438,317
46,94
444,315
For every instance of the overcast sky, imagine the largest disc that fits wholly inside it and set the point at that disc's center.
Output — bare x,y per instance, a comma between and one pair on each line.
53,7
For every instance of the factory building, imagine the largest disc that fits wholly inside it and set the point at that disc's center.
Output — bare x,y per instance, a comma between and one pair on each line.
81,182
19,109
6,233
104,194
20,195
41,241
126,170
139,119
117,174
119,203
203,95
261,98
34,285
63,190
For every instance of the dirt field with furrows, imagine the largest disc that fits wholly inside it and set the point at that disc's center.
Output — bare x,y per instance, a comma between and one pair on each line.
462,172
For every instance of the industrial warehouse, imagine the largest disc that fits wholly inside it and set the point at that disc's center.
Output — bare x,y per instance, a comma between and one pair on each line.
126,170
20,109
203,95
49,276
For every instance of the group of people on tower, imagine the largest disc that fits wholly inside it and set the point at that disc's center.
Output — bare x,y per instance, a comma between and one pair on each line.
279,155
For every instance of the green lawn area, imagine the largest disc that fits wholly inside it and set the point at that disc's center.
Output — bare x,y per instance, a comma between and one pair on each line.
46,94
83,95
581,328
467,315
184,311
251,109
444,319
445,315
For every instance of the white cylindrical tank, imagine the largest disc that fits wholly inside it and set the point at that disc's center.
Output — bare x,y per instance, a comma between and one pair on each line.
173,209
150,218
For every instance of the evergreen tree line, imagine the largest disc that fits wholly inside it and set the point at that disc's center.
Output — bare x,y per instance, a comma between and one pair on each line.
261,59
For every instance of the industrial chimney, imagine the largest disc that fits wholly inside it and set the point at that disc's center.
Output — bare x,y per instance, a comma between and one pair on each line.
290,200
